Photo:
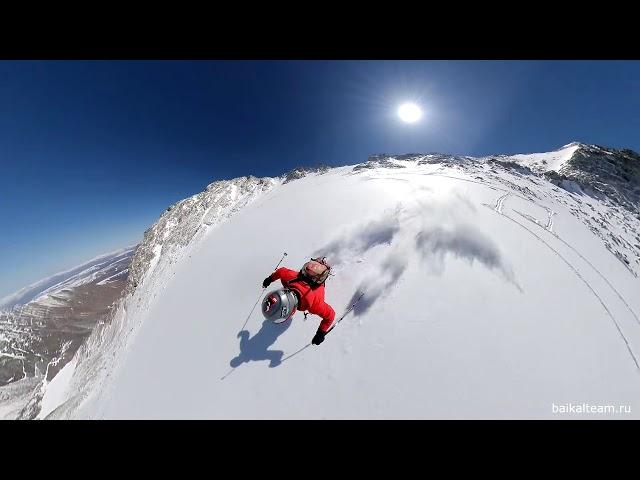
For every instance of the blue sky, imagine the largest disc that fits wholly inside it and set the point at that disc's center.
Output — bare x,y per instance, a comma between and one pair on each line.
91,152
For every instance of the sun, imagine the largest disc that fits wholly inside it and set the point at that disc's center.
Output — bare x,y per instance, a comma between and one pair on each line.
409,112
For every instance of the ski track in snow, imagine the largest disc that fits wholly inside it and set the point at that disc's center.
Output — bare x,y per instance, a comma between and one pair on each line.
551,213
577,273
500,202
615,290
549,227
484,184
531,218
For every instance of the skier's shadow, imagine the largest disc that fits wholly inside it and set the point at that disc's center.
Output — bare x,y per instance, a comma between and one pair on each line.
256,348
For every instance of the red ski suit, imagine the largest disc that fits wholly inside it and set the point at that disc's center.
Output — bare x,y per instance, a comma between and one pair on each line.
311,300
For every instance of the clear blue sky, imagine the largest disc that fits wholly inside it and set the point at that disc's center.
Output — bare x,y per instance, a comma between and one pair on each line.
92,152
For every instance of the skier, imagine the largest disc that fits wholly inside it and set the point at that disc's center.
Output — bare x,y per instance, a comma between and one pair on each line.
304,290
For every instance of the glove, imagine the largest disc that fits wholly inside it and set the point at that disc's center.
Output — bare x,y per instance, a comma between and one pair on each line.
267,281
318,338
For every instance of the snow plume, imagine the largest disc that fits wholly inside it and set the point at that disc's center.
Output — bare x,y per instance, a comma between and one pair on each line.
380,282
462,241
424,232
444,226
363,238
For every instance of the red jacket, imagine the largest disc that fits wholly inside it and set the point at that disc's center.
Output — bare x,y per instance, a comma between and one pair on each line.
311,300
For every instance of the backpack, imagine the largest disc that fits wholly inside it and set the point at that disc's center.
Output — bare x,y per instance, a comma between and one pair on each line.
315,271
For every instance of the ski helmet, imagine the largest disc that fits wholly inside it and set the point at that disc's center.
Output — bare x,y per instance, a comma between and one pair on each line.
278,305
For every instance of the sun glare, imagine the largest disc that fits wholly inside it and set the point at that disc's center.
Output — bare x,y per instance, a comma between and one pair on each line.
409,112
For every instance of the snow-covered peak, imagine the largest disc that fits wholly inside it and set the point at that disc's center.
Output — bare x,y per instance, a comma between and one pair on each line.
547,161
572,144
301,172
539,162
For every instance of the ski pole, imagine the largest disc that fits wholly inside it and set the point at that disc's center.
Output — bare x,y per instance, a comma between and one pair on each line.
347,311
285,254
295,353
344,315
263,289
351,307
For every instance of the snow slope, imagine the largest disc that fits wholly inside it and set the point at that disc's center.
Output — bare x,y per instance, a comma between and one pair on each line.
485,296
